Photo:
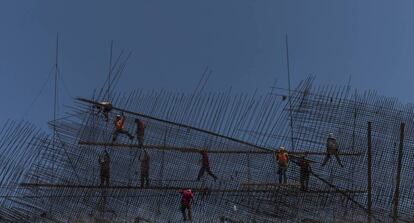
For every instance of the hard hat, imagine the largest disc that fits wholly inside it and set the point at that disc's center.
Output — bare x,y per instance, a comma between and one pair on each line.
331,135
282,148
118,116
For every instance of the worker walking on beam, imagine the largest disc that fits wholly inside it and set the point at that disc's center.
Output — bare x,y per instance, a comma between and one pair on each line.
145,165
104,162
187,198
305,170
140,131
104,107
283,162
205,166
332,148
119,128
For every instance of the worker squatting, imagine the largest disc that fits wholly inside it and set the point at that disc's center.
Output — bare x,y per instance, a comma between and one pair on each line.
187,198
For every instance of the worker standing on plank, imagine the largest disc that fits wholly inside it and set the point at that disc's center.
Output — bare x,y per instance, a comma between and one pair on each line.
332,149
140,132
305,170
145,165
205,166
186,199
104,162
105,107
282,161
119,128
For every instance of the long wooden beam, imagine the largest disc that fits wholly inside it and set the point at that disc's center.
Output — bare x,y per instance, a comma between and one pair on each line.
195,189
177,124
197,150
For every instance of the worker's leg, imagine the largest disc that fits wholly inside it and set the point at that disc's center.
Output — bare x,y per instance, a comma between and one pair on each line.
302,181
189,212
210,173
125,132
307,182
338,160
147,179
141,140
107,180
183,212
284,175
106,115
115,135
327,157
142,179
279,171
201,172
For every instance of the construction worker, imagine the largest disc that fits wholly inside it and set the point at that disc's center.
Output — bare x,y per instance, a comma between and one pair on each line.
140,131
186,199
145,164
119,128
205,166
105,107
104,162
331,149
305,170
282,161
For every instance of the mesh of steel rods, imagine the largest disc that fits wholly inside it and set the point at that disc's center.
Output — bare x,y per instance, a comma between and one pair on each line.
58,179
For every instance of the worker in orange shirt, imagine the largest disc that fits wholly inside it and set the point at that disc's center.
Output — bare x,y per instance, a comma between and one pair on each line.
119,128
283,162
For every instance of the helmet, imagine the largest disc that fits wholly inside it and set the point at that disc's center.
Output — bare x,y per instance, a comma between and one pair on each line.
331,135
281,148
118,116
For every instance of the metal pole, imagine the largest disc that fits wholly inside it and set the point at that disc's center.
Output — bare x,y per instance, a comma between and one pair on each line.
399,166
369,174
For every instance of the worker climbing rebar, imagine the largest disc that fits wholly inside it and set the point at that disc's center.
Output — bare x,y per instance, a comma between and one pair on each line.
140,132
305,170
205,165
283,162
104,162
119,128
104,107
187,198
332,148
145,165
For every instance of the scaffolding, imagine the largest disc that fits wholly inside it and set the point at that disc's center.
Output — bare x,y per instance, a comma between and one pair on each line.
57,178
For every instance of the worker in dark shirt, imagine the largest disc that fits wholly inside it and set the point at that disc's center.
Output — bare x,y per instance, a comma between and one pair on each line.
105,107
205,166
145,165
104,162
140,131
305,170
332,148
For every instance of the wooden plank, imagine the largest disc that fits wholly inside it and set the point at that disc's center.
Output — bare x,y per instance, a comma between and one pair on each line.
197,150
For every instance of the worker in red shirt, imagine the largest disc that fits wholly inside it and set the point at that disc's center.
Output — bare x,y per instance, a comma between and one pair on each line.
119,128
205,166
186,199
140,132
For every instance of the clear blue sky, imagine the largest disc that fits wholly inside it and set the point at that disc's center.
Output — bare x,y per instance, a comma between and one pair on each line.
173,41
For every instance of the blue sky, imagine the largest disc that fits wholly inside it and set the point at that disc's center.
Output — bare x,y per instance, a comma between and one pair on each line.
172,42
